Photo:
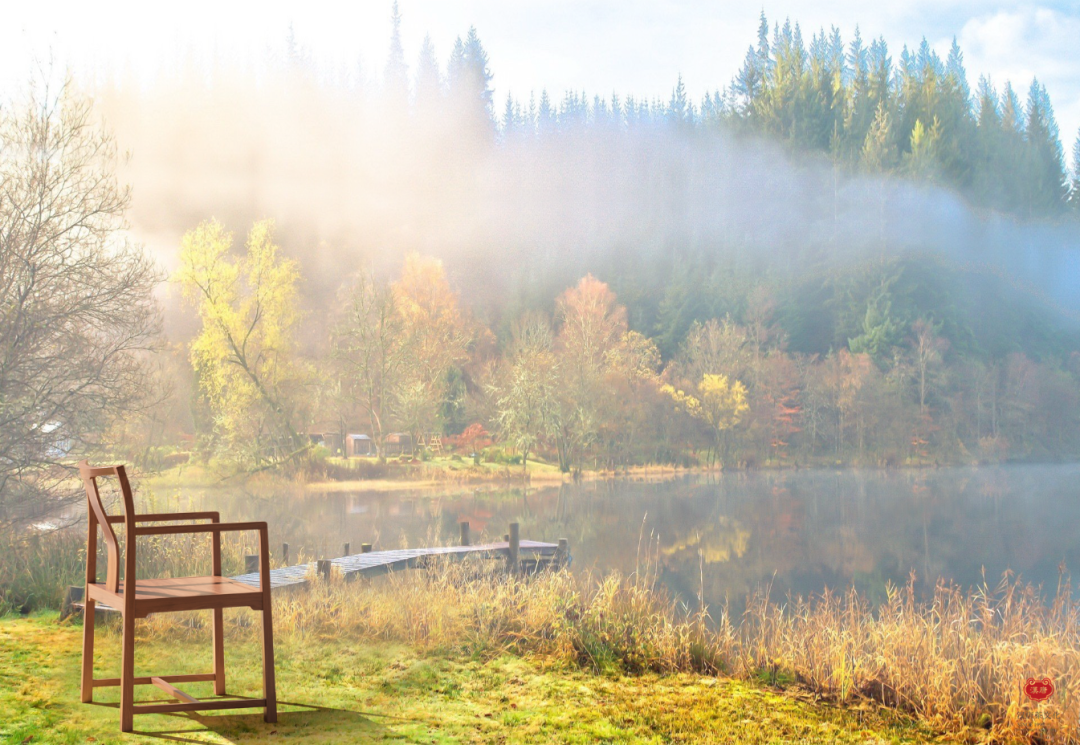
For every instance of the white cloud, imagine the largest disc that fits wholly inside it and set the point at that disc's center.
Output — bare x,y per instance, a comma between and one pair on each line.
1018,45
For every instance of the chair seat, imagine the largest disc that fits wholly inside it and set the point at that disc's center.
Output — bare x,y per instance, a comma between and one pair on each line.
181,593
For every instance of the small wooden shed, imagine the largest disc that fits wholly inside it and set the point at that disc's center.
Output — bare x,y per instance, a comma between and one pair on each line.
358,445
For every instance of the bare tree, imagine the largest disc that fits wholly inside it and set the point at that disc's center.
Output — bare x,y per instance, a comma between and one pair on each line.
927,349
77,316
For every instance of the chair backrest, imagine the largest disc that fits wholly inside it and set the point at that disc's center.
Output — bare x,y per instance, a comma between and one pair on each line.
98,516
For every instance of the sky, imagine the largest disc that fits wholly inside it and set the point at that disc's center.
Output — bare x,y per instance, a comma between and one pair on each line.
599,46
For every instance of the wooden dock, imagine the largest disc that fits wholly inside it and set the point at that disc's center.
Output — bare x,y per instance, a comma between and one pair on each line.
375,563
526,556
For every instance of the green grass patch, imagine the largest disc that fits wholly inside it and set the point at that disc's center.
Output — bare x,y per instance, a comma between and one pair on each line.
339,690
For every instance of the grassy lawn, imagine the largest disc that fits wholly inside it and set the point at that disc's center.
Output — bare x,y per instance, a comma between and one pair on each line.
334,691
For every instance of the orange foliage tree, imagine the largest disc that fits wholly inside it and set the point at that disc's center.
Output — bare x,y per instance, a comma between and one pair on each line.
436,336
592,324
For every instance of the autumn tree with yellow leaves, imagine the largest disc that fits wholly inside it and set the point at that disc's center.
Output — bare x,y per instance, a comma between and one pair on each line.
244,355
717,402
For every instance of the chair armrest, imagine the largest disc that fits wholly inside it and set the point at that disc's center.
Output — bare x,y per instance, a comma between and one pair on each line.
162,517
217,529
205,528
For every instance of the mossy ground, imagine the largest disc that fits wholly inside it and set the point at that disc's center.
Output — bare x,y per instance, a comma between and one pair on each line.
336,692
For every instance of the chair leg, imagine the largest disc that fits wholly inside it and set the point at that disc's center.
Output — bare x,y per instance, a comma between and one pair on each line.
219,652
127,675
269,687
88,651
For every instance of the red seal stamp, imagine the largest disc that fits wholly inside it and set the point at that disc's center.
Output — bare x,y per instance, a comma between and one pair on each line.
1038,690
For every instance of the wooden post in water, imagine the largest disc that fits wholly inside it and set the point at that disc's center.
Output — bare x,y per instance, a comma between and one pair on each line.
347,551
285,554
514,548
365,548
323,569
251,564
561,553
465,533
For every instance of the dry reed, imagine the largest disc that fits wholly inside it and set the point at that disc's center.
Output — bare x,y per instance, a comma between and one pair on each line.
957,659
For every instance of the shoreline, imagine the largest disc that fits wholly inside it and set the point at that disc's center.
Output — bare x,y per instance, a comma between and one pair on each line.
426,475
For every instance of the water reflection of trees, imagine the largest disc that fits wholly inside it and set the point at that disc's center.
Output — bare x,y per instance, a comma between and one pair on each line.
726,536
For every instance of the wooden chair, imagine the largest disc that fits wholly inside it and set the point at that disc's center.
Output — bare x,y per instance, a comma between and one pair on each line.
167,595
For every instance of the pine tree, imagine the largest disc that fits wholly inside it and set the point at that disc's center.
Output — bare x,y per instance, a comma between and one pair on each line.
509,118
630,111
545,116
881,72
295,54
680,306
428,77
469,83
764,58
396,74
1074,190
479,76
1011,153
927,60
988,149
782,105
907,69
616,111
955,73
837,58
748,83
1012,112
857,59
1045,182
680,110
824,102
455,68
922,157
598,112
860,104
573,112
954,147
879,153
989,113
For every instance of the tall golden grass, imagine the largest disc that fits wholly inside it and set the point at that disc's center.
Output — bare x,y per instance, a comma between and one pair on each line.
957,659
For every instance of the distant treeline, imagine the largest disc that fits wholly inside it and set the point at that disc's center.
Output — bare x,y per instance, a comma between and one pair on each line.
916,116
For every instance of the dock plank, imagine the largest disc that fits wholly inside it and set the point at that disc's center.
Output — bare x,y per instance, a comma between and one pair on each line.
375,563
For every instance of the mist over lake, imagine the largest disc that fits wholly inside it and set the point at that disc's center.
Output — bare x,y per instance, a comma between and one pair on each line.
727,535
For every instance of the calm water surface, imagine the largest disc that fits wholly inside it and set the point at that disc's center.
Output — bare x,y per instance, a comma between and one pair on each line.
724,535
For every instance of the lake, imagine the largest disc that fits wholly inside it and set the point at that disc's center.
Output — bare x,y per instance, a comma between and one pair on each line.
722,535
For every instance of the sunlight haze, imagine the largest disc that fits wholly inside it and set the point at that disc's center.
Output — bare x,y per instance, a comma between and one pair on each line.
633,47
